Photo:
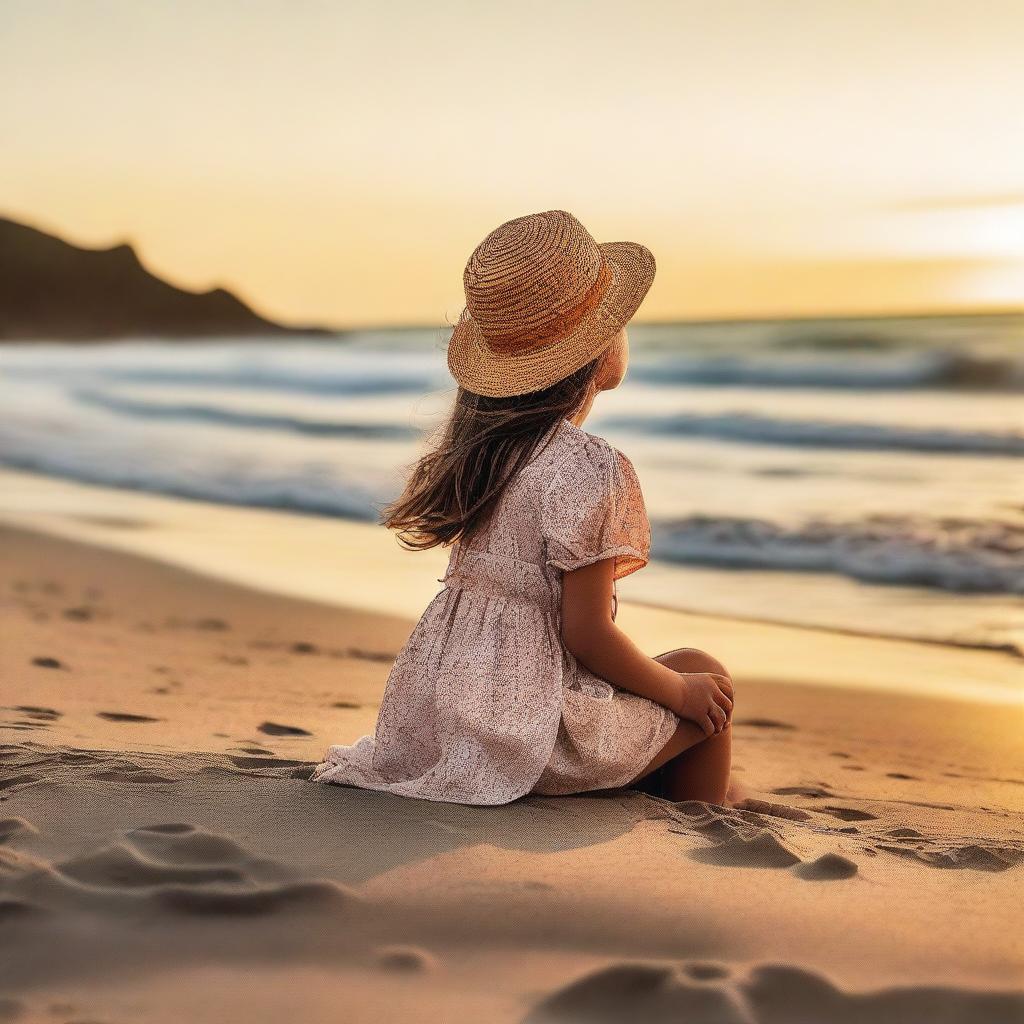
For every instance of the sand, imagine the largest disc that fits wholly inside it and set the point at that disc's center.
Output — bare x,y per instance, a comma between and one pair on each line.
163,856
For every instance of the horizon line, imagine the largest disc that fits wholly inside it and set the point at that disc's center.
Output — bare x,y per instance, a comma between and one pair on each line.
924,314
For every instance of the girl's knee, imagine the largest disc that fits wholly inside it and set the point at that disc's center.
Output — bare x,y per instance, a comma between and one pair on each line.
690,659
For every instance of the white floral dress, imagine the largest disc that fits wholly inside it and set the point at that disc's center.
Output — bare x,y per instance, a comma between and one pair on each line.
483,703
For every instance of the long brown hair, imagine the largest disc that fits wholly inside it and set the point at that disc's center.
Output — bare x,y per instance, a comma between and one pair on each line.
455,486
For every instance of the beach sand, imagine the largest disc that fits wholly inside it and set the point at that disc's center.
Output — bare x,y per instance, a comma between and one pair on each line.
163,856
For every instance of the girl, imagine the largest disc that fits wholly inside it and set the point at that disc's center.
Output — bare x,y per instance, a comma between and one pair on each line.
516,679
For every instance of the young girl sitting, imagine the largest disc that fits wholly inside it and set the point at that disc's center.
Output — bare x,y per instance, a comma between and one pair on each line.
516,678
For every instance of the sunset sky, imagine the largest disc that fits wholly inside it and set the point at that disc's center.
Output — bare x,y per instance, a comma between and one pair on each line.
336,162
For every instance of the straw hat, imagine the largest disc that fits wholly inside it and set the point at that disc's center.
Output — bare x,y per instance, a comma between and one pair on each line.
542,299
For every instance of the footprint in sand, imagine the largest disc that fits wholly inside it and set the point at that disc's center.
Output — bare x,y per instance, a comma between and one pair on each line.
744,839
773,810
811,791
268,884
275,729
48,663
11,827
178,842
985,778
15,782
657,992
124,716
849,813
404,959
905,833
346,704
901,775
42,714
358,652
940,853
642,992
764,723
182,869
124,866
32,718
826,868
211,625
216,901
306,647
761,849
83,613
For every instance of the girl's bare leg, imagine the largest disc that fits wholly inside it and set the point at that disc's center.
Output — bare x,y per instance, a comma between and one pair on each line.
696,766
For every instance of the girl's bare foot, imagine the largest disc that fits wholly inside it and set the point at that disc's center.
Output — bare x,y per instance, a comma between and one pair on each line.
737,793
741,800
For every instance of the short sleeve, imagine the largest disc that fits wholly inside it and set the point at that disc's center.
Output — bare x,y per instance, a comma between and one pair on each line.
594,509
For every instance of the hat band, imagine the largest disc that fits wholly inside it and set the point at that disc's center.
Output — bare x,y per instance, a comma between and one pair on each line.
553,330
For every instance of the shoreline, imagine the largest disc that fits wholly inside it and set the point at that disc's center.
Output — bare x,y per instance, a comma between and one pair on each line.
348,564
300,632
717,583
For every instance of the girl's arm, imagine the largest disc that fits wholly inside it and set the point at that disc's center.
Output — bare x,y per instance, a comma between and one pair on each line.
591,636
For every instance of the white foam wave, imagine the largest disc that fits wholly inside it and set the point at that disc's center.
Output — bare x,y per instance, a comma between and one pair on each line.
955,554
818,433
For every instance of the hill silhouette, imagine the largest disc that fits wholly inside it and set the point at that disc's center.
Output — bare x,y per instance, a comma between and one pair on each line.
50,289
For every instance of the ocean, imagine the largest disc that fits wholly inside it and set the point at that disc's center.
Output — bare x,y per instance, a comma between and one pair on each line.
860,475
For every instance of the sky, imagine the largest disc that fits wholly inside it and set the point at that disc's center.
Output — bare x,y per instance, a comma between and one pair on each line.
337,162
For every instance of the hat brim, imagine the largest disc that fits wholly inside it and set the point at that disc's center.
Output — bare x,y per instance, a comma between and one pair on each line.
479,370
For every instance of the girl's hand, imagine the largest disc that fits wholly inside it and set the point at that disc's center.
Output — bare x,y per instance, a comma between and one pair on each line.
706,698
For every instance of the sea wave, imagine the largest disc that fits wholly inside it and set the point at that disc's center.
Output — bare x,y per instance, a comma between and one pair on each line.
954,554
727,426
164,460
958,554
763,356
813,433
842,368
291,492
194,412
269,378
287,366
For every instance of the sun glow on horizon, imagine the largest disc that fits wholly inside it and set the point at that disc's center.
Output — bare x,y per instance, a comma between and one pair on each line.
337,164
